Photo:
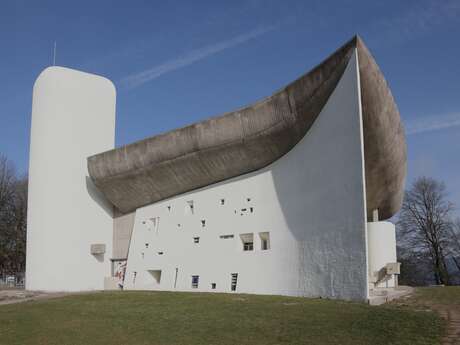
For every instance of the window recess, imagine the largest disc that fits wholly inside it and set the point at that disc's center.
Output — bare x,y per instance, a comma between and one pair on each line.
264,240
247,241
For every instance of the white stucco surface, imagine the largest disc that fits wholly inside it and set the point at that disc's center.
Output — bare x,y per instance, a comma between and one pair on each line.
73,117
311,202
381,238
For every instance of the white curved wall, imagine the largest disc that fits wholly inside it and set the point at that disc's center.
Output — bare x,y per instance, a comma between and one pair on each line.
311,201
73,117
381,237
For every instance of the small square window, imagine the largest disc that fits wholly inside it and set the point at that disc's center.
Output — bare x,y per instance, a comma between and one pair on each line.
203,223
195,281
248,246
213,286
146,245
196,240
222,201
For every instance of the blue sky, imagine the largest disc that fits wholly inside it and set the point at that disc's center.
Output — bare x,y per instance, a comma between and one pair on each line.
175,63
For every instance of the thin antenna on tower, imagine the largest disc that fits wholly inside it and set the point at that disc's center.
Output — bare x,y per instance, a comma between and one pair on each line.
54,54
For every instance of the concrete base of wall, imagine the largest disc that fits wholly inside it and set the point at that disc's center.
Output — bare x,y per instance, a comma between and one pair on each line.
383,295
111,283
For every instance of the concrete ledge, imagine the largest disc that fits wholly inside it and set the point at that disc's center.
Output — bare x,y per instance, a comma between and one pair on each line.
380,296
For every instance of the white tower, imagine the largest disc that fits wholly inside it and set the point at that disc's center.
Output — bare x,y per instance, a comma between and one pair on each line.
73,117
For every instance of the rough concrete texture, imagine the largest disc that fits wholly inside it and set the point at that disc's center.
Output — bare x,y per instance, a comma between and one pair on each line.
384,140
250,138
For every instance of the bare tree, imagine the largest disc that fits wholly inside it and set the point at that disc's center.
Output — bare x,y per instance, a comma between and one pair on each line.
425,225
13,219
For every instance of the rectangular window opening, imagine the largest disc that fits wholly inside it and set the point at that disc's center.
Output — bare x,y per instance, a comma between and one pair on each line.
247,241
196,240
234,281
213,286
225,237
195,281
222,201
203,223
264,240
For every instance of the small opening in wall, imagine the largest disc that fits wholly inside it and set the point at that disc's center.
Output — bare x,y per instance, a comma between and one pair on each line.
251,209
143,222
196,240
222,201
146,245
190,208
244,209
234,281
142,255
178,225
156,275
160,253
169,208
224,237
264,240
203,223
213,286
195,281
248,242
248,199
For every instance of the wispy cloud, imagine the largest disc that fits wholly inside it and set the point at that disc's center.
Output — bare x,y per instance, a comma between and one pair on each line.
433,123
140,78
419,18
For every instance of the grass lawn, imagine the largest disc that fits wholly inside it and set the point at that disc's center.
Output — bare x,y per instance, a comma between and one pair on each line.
447,295
166,318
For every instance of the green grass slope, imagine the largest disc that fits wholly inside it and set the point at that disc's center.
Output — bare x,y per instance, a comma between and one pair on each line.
166,318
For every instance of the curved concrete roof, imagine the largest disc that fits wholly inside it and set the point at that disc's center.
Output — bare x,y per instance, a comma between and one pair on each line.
251,138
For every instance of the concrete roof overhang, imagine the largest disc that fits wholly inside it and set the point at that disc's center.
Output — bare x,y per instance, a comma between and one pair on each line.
251,138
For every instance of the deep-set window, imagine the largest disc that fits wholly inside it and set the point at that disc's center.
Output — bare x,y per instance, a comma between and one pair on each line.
264,240
195,280
248,246
213,286
234,281
248,241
